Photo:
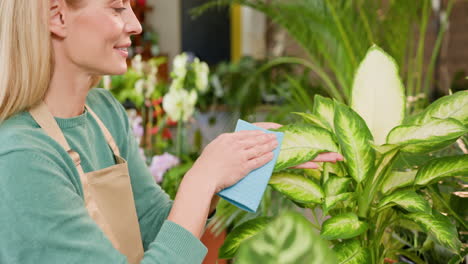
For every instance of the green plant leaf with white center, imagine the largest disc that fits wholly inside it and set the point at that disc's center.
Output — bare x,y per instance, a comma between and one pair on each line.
289,239
378,94
398,179
297,187
432,135
351,252
453,106
310,118
439,228
331,201
355,140
324,108
408,200
343,226
302,143
439,168
336,185
240,234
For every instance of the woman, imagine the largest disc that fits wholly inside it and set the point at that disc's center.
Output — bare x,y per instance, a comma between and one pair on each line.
73,186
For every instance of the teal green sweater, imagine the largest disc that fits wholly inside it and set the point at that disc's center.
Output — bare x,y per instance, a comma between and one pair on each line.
42,215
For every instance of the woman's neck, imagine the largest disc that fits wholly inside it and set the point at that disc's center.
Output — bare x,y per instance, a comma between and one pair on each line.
67,91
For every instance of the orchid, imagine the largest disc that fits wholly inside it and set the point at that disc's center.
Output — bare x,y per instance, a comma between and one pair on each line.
179,104
201,71
162,163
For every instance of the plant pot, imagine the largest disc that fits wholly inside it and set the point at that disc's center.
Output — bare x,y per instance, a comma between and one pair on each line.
213,243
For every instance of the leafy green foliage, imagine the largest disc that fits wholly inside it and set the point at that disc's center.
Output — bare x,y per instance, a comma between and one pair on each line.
408,200
287,240
296,187
302,143
442,167
354,138
343,226
240,234
351,252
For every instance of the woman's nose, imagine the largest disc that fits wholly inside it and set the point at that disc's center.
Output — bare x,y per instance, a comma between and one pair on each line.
132,25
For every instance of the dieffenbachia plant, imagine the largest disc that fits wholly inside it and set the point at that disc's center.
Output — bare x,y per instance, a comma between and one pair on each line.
364,197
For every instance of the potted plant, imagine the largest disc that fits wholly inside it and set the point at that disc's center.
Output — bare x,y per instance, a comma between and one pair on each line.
365,198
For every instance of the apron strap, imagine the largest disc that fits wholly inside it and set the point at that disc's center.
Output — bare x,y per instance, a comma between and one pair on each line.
110,140
46,121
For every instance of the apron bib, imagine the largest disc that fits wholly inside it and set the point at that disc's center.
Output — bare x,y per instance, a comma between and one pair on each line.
108,194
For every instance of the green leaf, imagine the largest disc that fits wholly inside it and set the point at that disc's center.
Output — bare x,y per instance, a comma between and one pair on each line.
398,179
302,143
453,106
297,187
343,226
336,185
408,200
289,239
351,252
324,108
441,168
378,94
355,141
313,119
439,228
331,201
240,234
429,136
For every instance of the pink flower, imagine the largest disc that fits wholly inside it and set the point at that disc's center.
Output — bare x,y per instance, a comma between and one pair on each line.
160,164
138,130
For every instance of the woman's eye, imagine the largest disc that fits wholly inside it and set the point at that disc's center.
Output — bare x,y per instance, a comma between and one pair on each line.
120,10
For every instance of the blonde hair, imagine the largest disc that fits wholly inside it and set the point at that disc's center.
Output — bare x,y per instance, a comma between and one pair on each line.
26,57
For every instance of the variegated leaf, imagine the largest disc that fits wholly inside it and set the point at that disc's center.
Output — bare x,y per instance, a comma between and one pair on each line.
289,239
441,168
378,94
398,179
297,187
408,200
324,108
331,201
439,228
310,118
343,226
302,143
351,252
355,141
429,136
452,106
336,185
240,234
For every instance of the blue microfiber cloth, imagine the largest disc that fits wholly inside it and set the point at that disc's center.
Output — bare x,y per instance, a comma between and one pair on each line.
248,192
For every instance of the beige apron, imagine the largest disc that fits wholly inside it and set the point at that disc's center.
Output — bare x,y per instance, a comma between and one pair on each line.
107,193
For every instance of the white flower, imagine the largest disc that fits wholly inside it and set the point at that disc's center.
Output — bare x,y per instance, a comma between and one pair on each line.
150,84
140,86
202,72
179,104
137,64
180,66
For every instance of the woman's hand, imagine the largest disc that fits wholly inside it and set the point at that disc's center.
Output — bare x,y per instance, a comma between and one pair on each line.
324,157
231,156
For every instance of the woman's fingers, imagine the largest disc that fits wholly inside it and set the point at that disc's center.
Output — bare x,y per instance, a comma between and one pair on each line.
267,125
307,165
261,149
259,161
329,157
251,142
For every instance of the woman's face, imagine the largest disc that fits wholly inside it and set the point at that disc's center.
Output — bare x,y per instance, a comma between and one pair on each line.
98,35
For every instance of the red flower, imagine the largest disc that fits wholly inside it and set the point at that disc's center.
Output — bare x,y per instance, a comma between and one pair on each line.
167,134
171,122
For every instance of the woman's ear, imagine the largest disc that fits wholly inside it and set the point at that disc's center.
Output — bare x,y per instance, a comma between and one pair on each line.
57,18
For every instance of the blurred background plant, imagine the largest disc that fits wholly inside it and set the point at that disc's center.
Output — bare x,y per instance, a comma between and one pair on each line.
336,34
